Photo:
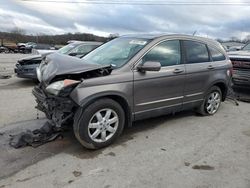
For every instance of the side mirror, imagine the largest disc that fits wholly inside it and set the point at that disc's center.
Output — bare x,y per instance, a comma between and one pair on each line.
73,54
149,66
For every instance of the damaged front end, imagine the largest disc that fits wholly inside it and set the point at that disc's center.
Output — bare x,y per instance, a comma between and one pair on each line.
58,77
58,109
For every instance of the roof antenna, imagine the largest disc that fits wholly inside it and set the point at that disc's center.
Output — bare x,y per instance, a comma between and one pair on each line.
194,32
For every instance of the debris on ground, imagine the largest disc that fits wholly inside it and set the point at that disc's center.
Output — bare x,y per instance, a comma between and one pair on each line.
77,173
110,154
35,138
203,167
5,76
97,171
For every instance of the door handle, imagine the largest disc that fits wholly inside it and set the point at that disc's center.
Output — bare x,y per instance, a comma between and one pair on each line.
210,67
177,71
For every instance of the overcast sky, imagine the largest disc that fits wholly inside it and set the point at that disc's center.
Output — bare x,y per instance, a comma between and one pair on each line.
216,21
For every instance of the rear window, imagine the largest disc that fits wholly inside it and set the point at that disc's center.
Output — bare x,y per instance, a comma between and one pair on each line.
196,52
216,54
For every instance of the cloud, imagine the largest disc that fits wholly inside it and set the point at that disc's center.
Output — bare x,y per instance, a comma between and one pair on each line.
10,20
83,29
53,18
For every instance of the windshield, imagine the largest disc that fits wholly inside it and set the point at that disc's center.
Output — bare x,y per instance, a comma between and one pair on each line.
66,49
116,52
247,47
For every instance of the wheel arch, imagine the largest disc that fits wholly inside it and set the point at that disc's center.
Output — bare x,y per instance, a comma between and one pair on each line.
119,98
223,87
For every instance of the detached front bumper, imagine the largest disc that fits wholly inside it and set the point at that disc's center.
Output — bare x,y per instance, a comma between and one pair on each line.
26,71
60,110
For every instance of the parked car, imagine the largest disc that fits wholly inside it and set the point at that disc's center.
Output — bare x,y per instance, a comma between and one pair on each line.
26,47
3,49
241,66
132,78
232,46
43,49
26,67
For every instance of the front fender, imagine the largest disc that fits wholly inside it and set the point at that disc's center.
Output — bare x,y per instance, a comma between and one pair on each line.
120,92
83,95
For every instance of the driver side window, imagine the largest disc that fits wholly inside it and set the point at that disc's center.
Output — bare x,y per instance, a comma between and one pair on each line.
167,53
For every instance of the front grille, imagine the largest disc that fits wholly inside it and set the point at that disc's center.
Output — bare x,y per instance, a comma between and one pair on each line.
241,73
244,64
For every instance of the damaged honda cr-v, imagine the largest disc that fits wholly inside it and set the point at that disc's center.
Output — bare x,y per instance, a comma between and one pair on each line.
131,78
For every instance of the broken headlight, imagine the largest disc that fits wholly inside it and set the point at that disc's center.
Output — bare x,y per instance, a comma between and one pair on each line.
64,86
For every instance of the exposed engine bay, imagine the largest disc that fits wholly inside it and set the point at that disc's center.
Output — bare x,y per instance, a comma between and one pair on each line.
84,75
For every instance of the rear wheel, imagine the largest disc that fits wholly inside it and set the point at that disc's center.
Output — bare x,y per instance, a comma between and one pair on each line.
212,102
99,124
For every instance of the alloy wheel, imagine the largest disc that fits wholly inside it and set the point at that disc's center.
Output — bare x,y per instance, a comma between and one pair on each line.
213,102
103,125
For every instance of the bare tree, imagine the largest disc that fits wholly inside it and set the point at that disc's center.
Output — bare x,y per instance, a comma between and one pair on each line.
246,39
17,34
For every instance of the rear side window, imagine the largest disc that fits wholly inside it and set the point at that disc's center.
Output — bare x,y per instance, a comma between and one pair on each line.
216,54
167,53
196,52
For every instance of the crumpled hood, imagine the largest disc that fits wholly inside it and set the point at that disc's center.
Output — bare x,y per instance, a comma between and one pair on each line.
58,64
32,59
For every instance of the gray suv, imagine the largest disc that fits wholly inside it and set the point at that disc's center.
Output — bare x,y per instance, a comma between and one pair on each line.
130,78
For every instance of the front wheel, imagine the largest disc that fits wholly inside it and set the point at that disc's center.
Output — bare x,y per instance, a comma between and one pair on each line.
99,124
212,102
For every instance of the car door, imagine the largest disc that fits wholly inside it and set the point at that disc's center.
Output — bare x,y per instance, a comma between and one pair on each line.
160,92
198,66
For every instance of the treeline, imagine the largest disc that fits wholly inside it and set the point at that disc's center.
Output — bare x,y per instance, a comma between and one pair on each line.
235,39
15,37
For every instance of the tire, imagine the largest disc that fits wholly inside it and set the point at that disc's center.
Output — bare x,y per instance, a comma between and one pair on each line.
204,108
89,127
